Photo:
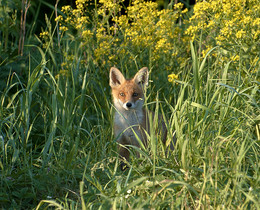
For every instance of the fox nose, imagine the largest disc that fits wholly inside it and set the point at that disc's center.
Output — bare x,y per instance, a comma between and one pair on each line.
129,105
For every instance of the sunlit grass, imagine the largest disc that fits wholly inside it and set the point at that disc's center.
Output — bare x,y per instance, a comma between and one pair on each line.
58,148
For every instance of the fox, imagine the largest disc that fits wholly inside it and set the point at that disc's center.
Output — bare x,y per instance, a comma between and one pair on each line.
131,119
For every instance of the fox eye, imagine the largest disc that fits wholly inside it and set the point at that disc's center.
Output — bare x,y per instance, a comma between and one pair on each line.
135,94
122,94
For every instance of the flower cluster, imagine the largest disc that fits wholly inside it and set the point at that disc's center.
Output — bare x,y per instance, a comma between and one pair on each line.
160,38
142,32
145,27
76,18
44,34
234,25
172,78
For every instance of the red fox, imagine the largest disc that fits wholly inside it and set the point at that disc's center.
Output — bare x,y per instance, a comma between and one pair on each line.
131,120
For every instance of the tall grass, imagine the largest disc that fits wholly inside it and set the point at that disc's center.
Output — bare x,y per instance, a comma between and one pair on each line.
58,149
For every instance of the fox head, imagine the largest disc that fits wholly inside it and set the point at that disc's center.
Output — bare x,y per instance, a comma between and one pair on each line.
128,94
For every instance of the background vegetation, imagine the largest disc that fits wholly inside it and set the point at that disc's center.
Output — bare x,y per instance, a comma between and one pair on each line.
56,143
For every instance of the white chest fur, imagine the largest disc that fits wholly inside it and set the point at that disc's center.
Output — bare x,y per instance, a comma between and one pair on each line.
128,124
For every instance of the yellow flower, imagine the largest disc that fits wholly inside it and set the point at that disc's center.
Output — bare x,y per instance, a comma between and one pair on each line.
65,8
235,58
240,34
178,6
172,77
87,34
184,11
59,18
44,34
64,28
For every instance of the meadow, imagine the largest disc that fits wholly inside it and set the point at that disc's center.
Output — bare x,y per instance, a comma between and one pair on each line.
57,148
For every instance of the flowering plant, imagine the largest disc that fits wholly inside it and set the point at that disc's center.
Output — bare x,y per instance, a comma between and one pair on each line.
234,25
142,34
145,35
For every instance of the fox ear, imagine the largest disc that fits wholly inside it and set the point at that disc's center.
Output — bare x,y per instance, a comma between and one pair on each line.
142,76
116,77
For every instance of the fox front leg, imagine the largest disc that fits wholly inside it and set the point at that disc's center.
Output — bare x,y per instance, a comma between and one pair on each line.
124,156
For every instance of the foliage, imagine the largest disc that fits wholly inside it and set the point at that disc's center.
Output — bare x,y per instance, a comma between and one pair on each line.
143,33
232,25
57,148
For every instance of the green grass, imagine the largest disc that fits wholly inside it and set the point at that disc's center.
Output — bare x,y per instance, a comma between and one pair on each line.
58,150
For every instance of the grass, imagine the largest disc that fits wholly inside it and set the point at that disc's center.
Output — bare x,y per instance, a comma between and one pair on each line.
58,149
